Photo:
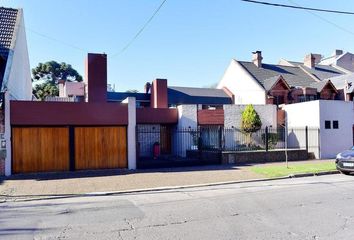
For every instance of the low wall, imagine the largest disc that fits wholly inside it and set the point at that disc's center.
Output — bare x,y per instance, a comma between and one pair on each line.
208,157
233,157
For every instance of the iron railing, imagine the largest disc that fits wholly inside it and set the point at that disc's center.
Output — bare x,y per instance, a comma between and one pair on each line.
179,142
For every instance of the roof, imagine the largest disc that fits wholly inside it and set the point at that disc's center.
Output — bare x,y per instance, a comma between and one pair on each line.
323,71
270,82
120,96
341,81
8,17
191,95
294,76
319,85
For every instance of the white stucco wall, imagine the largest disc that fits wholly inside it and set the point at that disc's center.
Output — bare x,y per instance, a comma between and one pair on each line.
187,116
17,77
183,140
332,140
303,114
131,132
314,114
299,116
245,88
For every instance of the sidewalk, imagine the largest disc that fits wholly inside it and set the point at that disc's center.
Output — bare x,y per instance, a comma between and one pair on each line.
119,180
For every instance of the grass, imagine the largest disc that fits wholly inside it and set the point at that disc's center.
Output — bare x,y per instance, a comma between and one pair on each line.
282,170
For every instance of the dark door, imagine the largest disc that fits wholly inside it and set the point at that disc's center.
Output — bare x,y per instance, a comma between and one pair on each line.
165,139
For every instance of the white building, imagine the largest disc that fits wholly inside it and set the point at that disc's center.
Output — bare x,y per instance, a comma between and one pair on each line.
15,74
334,119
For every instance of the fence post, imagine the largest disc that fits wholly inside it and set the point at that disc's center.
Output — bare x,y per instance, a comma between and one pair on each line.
266,138
307,138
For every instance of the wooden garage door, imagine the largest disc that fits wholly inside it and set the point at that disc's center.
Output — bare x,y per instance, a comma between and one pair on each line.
100,147
40,149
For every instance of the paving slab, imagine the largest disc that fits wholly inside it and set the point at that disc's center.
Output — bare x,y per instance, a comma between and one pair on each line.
81,182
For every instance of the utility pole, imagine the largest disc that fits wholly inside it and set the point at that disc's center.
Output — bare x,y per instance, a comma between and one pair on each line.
286,141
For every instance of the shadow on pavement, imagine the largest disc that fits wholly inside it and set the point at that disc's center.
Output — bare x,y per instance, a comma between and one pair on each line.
112,172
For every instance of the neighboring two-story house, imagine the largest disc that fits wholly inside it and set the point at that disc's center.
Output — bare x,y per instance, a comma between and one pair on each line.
15,75
256,82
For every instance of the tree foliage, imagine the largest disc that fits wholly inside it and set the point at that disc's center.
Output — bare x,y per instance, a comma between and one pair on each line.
251,121
48,74
42,90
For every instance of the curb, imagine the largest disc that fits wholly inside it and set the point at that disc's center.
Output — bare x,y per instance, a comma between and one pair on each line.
160,189
313,174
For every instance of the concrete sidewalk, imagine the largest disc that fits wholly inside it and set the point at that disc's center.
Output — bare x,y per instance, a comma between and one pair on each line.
121,180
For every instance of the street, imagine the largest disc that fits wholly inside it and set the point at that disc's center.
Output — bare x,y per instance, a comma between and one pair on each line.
303,208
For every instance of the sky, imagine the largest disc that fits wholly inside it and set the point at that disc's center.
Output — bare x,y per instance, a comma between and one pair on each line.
189,42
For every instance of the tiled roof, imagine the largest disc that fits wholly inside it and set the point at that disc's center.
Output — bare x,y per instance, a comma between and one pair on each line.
340,81
8,18
269,83
320,71
189,95
323,72
294,76
319,85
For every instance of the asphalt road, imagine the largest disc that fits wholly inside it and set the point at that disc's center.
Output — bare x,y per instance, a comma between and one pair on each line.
304,208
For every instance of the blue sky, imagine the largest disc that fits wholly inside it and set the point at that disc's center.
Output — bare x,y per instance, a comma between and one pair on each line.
189,42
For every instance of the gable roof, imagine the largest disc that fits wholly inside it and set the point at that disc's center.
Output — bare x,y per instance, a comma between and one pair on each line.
191,95
270,82
294,76
8,18
340,81
320,85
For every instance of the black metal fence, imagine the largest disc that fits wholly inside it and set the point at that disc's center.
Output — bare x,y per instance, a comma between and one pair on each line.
156,141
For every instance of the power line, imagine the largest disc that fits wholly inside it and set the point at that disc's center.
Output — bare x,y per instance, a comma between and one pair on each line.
140,31
54,39
298,7
325,20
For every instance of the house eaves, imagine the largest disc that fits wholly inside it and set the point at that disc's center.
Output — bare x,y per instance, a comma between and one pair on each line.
245,70
11,50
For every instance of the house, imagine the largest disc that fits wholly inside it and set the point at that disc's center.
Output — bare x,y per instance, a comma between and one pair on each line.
340,59
15,75
334,119
284,83
345,86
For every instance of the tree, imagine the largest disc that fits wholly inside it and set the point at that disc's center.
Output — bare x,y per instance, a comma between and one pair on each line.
45,89
48,74
250,122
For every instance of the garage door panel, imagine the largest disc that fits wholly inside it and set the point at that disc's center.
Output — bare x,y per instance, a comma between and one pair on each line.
40,149
100,147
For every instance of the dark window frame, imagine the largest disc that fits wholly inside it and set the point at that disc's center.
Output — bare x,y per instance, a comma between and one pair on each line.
327,124
335,124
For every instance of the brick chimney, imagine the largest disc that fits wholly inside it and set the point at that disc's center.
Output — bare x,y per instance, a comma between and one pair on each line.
96,77
147,87
309,60
257,58
158,97
338,52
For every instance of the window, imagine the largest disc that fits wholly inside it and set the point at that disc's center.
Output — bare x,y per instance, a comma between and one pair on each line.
327,124
306,98
278,100
335,125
